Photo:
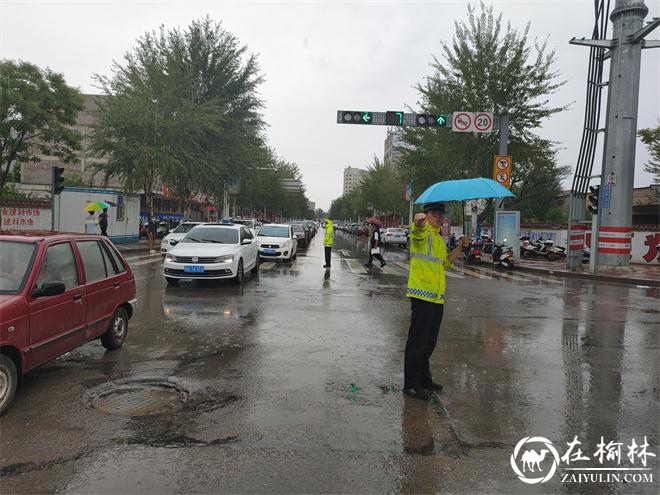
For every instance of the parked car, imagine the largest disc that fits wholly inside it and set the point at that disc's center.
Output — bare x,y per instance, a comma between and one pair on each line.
162,228
58,292
174,237
251,224
301,236
395,235
212,251
277,242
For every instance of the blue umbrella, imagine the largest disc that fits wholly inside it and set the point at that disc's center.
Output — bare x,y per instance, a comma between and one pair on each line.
463,189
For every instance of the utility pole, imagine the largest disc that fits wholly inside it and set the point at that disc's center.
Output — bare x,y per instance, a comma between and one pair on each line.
615,200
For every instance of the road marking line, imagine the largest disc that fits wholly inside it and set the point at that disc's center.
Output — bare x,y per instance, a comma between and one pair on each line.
146,262
471,273
453,275
266,266
134,258
355,266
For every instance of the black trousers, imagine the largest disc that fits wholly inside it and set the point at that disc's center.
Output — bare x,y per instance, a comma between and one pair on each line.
328,250
378,256
104,230
422,336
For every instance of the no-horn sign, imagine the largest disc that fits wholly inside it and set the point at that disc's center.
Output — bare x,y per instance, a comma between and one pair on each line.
462,121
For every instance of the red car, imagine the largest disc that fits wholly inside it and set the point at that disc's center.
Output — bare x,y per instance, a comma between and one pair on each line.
58,292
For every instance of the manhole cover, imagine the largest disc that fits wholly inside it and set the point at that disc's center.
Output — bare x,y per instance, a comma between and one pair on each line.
138,398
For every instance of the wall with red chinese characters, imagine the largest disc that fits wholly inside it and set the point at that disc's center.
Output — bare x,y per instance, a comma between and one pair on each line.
25,215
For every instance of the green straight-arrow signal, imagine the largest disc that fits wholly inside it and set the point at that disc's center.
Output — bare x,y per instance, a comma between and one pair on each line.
366,116
441,120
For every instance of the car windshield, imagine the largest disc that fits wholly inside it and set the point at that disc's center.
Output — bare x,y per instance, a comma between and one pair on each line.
298,228
395,231
215,235
14,265
248,223
274,231
184,228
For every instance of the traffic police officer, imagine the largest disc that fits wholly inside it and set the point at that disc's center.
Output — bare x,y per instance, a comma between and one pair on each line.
328,240
426,290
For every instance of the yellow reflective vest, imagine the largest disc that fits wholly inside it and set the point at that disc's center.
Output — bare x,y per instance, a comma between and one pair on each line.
329,233
428,261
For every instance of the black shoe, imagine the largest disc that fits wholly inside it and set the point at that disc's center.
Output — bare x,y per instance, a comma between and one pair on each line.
434,387
383,264
417,393
368,264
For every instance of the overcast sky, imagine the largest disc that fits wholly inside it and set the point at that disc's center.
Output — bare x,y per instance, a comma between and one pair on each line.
320,57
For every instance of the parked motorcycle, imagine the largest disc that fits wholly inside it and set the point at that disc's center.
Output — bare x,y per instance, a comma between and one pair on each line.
472,252
498,253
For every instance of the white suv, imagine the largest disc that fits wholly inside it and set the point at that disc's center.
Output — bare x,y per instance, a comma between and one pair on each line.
212,251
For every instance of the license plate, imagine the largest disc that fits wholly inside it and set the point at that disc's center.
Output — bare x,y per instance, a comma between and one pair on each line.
269,251
193,269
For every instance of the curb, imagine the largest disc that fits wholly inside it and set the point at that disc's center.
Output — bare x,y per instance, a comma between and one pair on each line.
589,276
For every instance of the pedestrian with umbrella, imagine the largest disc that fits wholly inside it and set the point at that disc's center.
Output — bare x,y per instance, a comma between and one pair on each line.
375,242
91,223
426,280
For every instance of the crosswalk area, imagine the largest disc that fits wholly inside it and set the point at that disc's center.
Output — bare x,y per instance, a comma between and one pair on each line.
392,269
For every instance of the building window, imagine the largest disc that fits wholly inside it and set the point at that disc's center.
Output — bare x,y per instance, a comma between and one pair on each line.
120,213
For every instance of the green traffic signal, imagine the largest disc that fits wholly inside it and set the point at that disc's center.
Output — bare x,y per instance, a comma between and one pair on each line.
431,120
394,118
355,117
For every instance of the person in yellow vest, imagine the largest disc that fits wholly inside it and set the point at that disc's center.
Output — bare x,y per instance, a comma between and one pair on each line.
328,240
426,290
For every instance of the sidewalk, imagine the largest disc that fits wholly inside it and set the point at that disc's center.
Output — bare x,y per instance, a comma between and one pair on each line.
648,275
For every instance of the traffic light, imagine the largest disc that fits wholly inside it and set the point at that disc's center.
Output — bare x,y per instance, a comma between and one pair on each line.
394,118
431,120
592,199
351,117
58,180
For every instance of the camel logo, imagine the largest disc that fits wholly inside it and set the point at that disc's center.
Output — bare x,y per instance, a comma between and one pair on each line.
531,460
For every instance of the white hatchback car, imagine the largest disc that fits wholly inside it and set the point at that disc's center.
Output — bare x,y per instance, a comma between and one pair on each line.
394,236
212,251
277,241
174,237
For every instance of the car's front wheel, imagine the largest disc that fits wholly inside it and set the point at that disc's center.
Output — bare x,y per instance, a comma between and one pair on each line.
115,335
8,382
255,268
238,279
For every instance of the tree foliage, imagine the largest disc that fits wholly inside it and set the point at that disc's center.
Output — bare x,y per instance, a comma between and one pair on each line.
37,110
382,187
182,109
651,138
489,67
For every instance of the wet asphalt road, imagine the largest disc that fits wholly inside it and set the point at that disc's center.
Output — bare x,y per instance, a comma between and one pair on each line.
292,383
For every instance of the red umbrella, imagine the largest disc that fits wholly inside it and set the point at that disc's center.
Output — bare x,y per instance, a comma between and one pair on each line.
374,221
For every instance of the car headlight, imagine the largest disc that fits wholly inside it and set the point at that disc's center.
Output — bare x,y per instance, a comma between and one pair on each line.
170,257
225,259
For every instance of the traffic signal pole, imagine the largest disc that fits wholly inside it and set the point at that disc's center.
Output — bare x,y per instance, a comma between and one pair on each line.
615,204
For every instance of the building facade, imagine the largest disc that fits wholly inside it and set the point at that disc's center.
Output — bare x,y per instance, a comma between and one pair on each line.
352,178
393,145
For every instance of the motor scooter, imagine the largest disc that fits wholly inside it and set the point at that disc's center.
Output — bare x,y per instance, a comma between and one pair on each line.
498,253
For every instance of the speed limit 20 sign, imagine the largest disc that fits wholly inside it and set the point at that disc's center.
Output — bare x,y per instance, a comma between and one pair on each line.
502,170
483,122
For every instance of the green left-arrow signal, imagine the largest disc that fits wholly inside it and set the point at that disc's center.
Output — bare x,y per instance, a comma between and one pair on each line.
366,117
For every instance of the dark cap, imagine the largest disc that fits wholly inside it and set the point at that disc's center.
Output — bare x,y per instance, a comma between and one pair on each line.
437,206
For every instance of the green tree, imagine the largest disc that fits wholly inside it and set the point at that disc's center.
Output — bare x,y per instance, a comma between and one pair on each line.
382,186
488,67
182,110
37,110
651,138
